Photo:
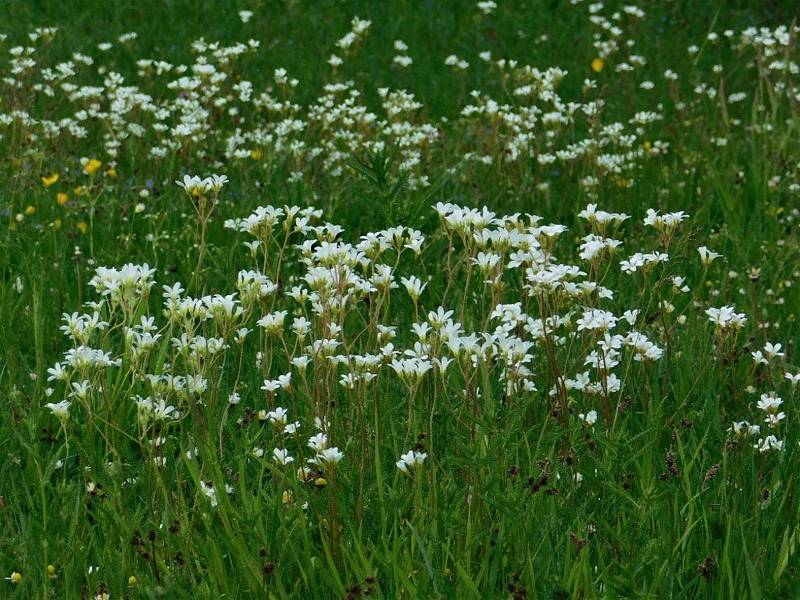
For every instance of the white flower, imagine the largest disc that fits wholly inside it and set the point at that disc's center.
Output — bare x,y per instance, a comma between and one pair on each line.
281,456
329,457
768,443
707,256
589,418
318,442
209,491
60,409
773,350
278,416
193,185
665,223
215,182
793,379
413,286
726,317
410,461
291,428
769,403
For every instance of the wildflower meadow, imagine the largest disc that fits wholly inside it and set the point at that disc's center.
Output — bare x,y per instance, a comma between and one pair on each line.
411,299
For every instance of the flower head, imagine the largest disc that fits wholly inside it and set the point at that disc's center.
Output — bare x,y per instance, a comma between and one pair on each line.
411,461
90,166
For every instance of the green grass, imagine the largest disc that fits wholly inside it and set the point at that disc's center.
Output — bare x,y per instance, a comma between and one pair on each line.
670,504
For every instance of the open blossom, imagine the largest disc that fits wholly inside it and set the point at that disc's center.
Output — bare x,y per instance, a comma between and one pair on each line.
318,442
743,428
60,409
667,222
196,187
726,317
193,185
411,460
329,457
769,402
281,456
278,416
707,256
413,286
216,182
773,350
601,217
768,443
642,261
596,319
273,385
90,165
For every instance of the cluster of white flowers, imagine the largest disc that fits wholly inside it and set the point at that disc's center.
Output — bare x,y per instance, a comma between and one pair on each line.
542,321
208,106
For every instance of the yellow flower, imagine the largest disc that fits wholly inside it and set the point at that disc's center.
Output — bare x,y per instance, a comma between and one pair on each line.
647,145
57,223
598,64
255,154
111,172
320,482
90,166
51,571
287,497
62,198
80,190
83,227
16,577
29,210
622,182
48,181
132,581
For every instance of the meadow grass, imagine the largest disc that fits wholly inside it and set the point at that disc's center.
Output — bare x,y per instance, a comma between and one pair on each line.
480,386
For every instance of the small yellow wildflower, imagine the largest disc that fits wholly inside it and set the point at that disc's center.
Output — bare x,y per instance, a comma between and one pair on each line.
287,497
30,209
80,190
90,166
647,145
57,223
51,571
83,227
255,154
132,581
62,198
111,172
16,577
598,64
50,180
320,482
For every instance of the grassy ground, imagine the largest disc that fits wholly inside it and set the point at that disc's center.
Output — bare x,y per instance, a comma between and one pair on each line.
520,494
